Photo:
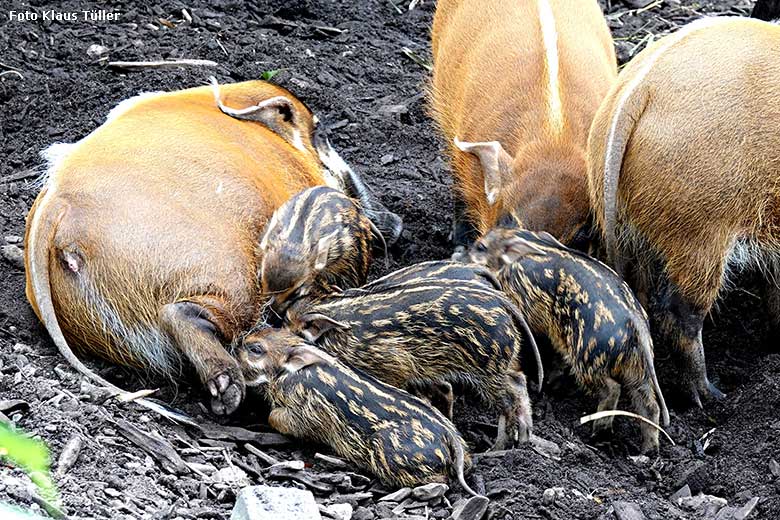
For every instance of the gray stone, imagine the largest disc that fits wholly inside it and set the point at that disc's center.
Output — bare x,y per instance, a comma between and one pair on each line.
551,495
429,491
706,506
774,467
745,510
13,255
545,448
363,513
13,239
337,511
278,503
472,509
96,51
397,496
232,476
627,510
684,491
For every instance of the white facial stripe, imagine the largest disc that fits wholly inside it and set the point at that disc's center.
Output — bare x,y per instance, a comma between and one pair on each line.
611,150
550,38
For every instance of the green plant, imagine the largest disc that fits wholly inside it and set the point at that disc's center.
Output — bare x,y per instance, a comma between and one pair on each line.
269,74
32,456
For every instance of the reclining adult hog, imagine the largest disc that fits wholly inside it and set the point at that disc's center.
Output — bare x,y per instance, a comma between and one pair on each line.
685,175
515,87
397,437
140,248
423,331
591,317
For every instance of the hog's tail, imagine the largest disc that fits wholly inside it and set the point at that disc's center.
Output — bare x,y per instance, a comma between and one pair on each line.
624,119
460,462
646,344
41,234
520,319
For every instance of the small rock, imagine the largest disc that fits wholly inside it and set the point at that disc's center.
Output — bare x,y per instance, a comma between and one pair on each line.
684,491
338,511
393,109
429,491
233,477
546,448
627,510
550,495
472,509
278,503
387,159
398,496
363,513
12,239
745,510
96,51
707,506
639,460
774,467
13,255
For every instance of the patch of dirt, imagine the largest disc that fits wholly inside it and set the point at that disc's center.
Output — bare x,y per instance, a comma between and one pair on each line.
359,81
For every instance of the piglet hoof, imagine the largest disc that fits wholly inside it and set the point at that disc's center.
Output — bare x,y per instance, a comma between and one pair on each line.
459,255
227,391
714,393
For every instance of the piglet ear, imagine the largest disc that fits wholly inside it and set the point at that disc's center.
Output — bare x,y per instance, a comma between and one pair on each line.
516,248
278,114
303,356
544,235
315,325
323,250
496,164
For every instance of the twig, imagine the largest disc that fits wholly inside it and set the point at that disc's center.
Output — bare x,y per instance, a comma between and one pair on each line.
409,53
138,65
6,66
612,413
11,72
397,9
132,396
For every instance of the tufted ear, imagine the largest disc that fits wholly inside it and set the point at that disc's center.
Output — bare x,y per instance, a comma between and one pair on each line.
279,114
496,164
303,356
316,324
516,248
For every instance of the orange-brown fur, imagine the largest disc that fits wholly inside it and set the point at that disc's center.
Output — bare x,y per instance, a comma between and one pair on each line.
490,85
163,205
694,172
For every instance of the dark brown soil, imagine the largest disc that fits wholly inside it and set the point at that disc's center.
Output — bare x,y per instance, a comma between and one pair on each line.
349,79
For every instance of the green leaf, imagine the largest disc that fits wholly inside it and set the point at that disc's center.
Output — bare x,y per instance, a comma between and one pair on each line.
269,74
29,454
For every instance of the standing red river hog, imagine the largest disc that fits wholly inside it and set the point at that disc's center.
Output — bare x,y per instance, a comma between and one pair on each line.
516,84
685,175
141,247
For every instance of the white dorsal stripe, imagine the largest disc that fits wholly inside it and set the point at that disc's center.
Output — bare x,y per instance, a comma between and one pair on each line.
550,38
639,78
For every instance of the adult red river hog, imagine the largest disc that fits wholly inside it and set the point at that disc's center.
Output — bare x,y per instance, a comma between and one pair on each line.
141,247
516,84
684,175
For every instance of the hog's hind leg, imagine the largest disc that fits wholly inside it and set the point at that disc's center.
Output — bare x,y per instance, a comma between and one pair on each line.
609,395
196,331
645,403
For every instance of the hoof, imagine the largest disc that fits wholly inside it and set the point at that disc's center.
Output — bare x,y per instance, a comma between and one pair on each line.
227,392
460,254
706,391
